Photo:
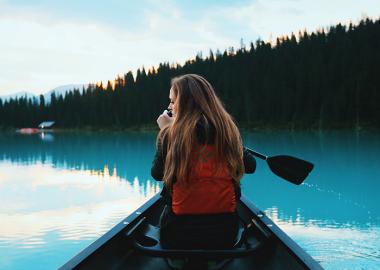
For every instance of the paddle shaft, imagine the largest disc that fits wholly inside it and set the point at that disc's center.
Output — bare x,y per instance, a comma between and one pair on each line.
257,154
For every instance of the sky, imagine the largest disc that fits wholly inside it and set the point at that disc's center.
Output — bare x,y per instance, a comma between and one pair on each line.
46,43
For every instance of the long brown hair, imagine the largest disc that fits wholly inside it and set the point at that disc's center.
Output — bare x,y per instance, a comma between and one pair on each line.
196,101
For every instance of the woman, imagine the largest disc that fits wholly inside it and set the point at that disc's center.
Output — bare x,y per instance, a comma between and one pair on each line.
200,158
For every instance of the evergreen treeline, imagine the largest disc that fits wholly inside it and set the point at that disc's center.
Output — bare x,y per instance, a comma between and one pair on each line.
320,80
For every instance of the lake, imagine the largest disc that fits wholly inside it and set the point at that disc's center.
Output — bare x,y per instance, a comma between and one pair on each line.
61,191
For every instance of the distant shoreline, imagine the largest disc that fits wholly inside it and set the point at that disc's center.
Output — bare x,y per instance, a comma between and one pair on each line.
242,128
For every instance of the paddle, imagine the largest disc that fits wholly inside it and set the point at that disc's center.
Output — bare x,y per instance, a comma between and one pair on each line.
290,168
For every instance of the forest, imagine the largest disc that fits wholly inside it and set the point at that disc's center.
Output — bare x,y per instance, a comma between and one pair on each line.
326,79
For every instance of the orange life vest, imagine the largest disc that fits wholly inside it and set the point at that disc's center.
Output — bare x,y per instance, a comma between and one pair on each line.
210,189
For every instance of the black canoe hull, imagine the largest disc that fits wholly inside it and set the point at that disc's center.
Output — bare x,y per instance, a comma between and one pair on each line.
114,251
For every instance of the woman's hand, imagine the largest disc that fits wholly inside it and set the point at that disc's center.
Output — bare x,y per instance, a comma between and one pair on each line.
164,120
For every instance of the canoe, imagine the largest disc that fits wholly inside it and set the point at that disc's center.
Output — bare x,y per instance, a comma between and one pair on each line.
134,244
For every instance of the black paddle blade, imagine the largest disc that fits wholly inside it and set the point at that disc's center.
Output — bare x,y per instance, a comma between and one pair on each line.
293,169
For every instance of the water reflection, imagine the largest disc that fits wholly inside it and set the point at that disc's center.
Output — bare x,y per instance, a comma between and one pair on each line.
61,191
129,153
335,214
343,187
333,245
47,137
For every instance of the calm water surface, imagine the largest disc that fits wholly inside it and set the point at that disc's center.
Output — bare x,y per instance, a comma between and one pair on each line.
59,192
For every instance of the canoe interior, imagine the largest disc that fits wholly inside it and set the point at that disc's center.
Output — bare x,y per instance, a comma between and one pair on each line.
114,250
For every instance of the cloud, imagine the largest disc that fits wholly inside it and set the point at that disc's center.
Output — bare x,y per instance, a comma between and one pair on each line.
39,53
53,44
282,17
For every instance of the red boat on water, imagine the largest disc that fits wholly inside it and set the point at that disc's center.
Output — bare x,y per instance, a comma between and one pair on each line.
41,128
29,130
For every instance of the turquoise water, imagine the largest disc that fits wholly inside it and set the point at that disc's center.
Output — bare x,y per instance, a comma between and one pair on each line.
59,192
